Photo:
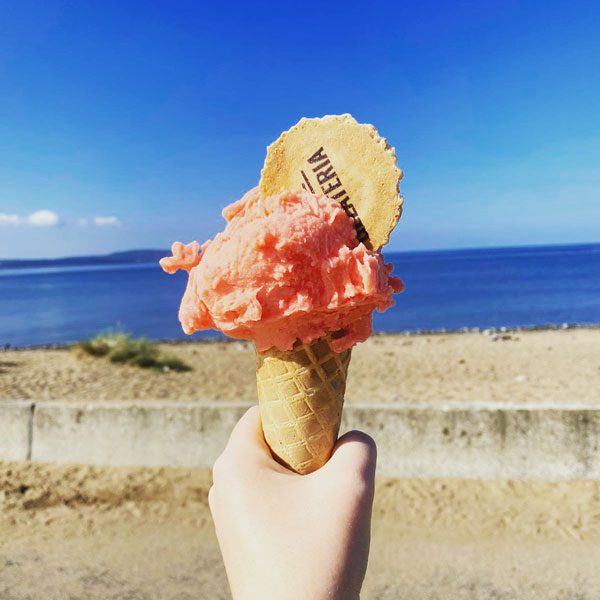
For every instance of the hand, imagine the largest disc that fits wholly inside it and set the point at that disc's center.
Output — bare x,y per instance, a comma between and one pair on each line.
285,536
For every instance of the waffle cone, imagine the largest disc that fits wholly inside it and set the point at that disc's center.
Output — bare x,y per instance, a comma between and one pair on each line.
301,394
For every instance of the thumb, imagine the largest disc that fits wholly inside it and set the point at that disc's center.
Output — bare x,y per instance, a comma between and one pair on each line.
247,448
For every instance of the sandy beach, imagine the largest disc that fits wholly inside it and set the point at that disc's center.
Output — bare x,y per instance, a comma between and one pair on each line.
139,533
526,366
99,533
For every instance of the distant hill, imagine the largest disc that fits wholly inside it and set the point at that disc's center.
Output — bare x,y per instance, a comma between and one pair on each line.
116,258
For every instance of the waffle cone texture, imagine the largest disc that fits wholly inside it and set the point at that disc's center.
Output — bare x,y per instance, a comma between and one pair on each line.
301,395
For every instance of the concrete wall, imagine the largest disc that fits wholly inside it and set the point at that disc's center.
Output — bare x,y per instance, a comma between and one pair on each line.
15,430
133,433
483,442
495,441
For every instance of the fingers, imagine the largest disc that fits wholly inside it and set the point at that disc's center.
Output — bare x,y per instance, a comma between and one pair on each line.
354,453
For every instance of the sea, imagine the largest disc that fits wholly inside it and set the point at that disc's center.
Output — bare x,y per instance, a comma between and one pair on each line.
455,290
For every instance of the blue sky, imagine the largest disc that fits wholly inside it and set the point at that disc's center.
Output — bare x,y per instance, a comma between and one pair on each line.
151,116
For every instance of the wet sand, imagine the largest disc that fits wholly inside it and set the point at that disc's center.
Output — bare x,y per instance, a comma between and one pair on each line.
100,533
554,366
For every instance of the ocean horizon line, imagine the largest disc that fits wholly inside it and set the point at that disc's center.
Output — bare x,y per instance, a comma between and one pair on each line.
150,256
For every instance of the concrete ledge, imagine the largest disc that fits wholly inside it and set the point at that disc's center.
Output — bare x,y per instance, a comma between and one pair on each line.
483,441
465,440
15,430
132,433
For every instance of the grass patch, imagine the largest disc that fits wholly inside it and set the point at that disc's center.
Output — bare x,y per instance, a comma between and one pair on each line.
122,348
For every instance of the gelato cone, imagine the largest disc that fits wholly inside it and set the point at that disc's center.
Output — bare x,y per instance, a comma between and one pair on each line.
301,395
298,271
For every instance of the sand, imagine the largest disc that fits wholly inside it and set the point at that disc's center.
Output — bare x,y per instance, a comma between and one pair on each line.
97,533
532,366
70,533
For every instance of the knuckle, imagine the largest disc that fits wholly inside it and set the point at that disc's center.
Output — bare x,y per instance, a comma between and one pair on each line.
212,499
226,469
219,470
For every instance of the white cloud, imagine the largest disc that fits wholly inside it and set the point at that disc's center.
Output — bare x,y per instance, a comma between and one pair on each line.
43,218
106,221
9,219
48,218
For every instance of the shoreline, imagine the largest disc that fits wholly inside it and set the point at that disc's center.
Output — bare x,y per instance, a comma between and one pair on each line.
403,333
557,365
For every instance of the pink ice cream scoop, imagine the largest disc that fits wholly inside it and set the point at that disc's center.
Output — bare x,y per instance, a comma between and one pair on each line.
286,268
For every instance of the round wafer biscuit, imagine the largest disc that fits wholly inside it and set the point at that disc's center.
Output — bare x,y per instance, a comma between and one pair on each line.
340,158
